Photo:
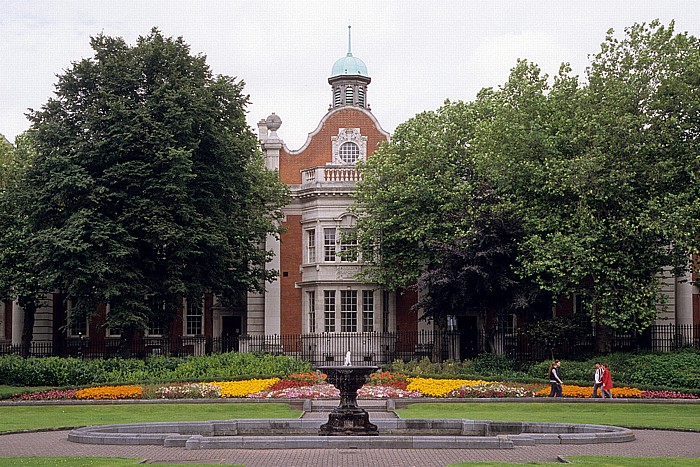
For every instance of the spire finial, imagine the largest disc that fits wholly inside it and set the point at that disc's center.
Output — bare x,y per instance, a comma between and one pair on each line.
349,47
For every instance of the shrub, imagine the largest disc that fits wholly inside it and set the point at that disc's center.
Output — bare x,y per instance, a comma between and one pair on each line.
57,371
425,367
679,370
488,364
235,364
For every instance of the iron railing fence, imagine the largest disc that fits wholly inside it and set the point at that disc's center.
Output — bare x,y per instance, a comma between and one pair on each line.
374,348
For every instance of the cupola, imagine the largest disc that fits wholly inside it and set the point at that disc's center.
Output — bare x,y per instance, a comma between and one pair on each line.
349,80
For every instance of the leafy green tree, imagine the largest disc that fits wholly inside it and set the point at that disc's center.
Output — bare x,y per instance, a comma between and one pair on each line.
427,219
476,273
20,279
601,174
604,174
148,182
411,191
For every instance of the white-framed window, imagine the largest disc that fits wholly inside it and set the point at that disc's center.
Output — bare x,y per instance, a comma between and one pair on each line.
509,322
194,318
361,96
385,311
349,146
110,331
348,311
311,307
155,327
329,245
349,152
329,310
76,328
367,310
311,245
580,302
348,246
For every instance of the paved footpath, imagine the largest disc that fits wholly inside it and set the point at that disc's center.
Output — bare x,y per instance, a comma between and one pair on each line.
55,443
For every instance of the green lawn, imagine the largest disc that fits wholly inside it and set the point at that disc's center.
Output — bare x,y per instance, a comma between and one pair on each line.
33,417
676,416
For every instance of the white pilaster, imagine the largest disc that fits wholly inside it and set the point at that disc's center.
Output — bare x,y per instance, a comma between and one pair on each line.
272,292
684,300
17,323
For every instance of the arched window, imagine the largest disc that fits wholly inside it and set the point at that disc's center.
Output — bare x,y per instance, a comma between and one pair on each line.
349,152
349,94
361,97
336,98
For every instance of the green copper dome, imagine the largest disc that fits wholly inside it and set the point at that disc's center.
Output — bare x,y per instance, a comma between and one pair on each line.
349,65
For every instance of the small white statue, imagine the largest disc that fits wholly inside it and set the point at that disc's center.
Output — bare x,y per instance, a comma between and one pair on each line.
347,359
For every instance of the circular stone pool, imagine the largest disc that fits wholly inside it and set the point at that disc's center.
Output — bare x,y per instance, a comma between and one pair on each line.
393,434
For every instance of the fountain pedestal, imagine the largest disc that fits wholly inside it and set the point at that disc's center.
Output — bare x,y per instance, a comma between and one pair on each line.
348,418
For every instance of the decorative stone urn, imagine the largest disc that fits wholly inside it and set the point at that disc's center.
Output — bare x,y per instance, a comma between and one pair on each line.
348,418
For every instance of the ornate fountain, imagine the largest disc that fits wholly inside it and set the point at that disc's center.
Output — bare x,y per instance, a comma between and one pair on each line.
348,418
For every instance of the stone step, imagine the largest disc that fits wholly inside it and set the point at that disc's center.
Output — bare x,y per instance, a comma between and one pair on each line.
326,405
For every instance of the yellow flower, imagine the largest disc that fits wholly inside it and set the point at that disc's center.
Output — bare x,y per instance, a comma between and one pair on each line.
243,388
439,387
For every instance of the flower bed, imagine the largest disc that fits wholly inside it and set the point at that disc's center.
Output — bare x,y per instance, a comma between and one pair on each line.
439,387
312,385
492,390
667,395
56,394
243,388
317,391
187,391
581,392
110,392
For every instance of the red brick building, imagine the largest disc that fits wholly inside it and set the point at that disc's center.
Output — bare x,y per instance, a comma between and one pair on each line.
317,291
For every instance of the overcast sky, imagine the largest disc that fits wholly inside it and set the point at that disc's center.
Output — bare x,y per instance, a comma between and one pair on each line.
418,53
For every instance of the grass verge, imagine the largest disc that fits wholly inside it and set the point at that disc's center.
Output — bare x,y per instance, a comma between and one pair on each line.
35,417
668,416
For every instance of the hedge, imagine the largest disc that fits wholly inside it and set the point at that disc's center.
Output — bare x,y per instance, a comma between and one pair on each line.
63,372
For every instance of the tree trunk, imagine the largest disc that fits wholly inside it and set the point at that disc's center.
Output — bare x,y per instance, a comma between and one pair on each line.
439,339
127,336
603,339
28,328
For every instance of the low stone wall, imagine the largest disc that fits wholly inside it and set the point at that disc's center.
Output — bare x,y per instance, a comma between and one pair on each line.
394,434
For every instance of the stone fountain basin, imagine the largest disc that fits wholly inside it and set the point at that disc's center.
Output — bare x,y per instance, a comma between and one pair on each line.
393,434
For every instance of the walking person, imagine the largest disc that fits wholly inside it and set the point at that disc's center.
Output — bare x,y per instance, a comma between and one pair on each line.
555,380
607,382
597,380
